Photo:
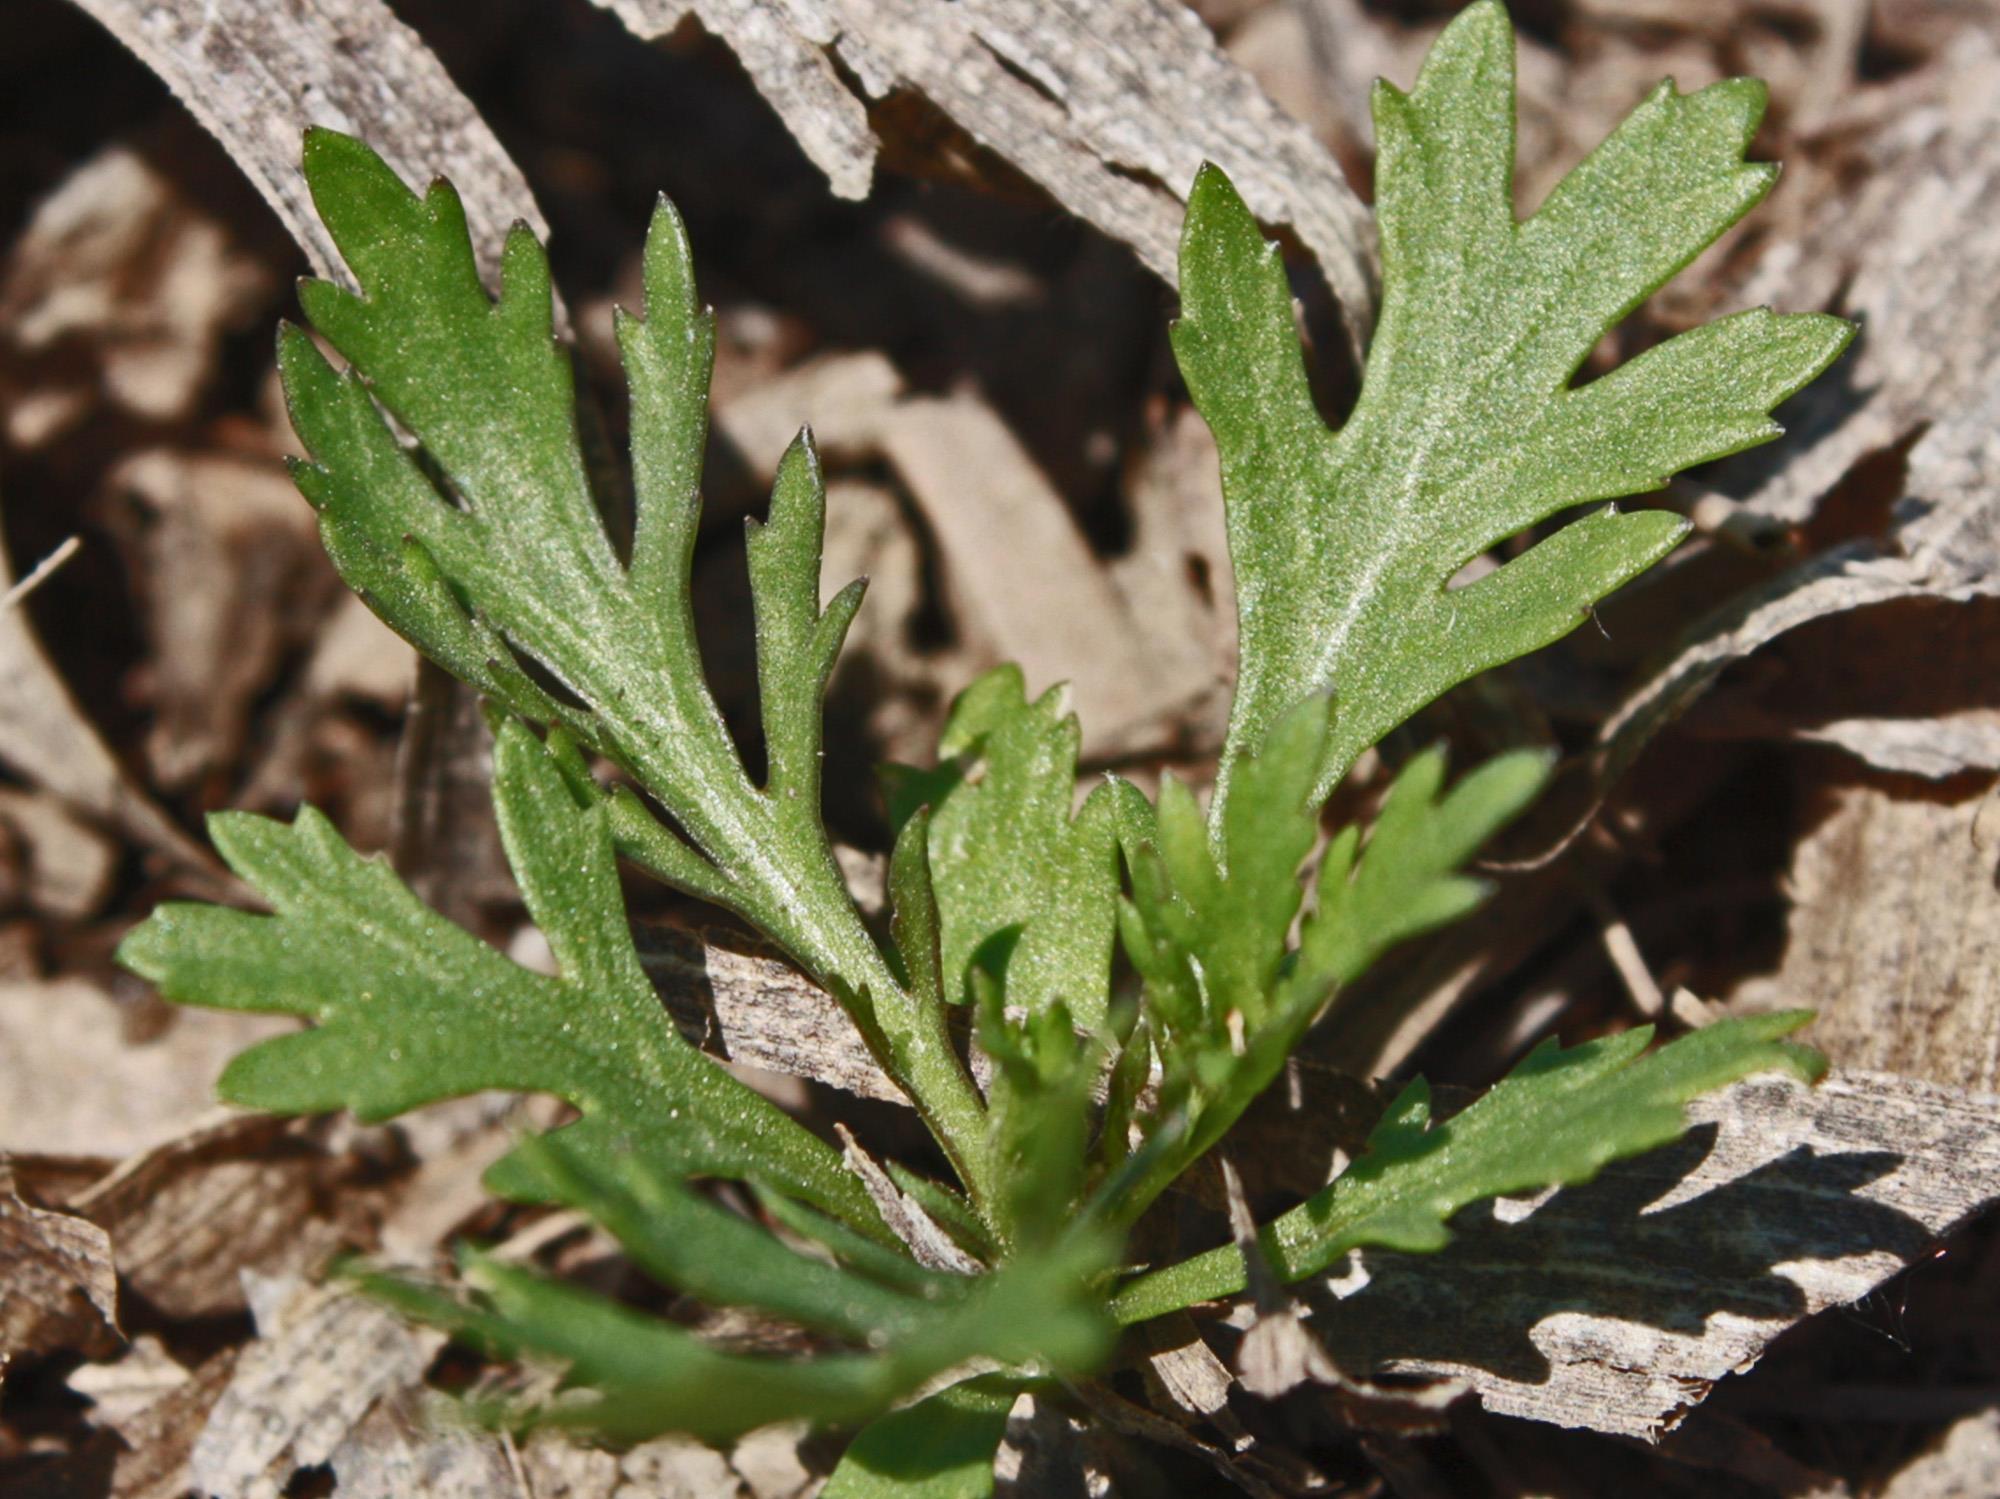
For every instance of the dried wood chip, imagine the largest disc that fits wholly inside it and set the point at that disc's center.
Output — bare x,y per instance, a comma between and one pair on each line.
1937,748
1183,1372
407,1445
82,1081
768,1463
673,1468
239,1195
322,1358
752,1006
57,1285
930,1244
1110,105
1618,1305
555,1467
1894,930
146,1443
140,1378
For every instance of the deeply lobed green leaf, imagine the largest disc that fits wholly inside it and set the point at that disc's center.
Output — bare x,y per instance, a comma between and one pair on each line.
410,1009
1468,430
1229,997
1005,853
1556,1119
634,1376
485,547
509,564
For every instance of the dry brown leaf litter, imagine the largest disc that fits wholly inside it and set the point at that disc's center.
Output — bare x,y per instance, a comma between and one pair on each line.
1868,104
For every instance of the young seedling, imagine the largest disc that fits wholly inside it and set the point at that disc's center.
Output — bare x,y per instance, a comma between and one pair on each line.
490,555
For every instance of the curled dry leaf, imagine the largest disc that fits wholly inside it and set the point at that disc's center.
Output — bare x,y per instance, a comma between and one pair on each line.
240,1194
1109,105
57,1285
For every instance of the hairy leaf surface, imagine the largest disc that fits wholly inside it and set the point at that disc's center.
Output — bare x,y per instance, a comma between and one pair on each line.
410,1008
1469,429
495,557
1556,1119
1006,856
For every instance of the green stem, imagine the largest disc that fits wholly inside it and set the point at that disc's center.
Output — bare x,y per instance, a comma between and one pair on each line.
1296,1244
816,923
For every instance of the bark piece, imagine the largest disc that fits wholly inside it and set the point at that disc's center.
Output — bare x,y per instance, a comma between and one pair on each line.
256,76
1618,1305
120,1390
769,1465
401,1448
931,1245
750,1005
144,1446
1894,931
1109,105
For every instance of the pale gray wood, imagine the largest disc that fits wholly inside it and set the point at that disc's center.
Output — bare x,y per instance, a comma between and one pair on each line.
256,75
1894,931
1110,105
1618,1305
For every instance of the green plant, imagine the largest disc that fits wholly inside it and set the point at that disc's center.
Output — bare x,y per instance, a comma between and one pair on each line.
489,553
